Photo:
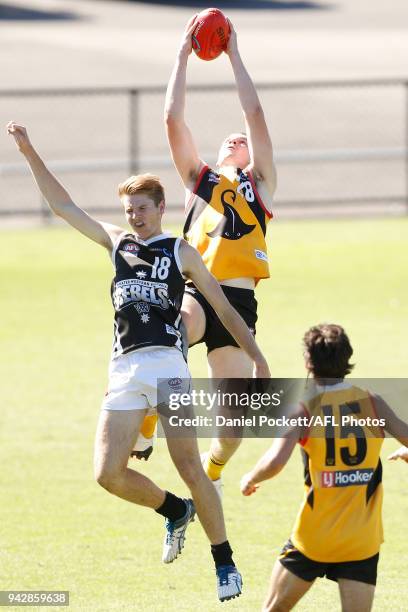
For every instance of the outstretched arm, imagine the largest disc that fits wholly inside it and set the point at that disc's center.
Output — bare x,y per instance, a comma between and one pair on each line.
182,146
57,198
194,268
259,141
270,464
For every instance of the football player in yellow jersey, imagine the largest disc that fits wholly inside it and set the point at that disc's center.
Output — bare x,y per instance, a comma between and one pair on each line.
338,530
227,211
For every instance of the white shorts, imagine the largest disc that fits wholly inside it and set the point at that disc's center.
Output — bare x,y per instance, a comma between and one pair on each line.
133,378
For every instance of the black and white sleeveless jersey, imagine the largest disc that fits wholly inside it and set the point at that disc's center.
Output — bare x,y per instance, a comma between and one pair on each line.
147,292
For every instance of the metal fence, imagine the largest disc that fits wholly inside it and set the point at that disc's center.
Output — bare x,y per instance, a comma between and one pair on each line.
339,145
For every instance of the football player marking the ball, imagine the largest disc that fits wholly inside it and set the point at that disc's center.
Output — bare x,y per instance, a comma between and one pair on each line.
227,211
147,291
338,530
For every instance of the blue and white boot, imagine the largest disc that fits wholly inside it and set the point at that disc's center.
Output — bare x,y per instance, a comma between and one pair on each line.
229,582
176,533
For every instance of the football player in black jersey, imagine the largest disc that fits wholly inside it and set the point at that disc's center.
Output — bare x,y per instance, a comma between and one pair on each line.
145,259
237,258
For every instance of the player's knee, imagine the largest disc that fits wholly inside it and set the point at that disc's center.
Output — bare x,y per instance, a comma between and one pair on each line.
191,327
194,321
107,477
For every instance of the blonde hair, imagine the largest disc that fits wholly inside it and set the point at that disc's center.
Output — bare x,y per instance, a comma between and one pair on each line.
148,184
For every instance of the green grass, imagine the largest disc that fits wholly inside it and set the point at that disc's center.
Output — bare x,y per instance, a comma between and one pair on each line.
59,530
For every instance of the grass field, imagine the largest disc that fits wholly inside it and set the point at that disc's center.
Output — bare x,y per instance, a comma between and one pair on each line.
59,530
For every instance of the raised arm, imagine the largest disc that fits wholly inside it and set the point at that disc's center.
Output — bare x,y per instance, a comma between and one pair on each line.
57,198
182,146
259,141
194,268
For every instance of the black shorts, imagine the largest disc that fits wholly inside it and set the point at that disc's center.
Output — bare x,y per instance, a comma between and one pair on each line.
307,569
244,302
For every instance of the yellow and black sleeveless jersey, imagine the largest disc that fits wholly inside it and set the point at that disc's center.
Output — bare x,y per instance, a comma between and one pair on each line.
226,222
340,517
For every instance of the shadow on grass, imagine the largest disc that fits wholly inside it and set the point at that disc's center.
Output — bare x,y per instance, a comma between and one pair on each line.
11,12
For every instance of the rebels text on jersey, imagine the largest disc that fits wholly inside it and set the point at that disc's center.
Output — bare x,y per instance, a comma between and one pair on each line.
146,292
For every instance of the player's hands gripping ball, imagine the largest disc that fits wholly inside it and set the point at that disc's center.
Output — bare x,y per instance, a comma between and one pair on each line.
211,34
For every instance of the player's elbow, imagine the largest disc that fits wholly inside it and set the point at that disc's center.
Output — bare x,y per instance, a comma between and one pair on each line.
59,211
171,117
173,125
62,209
56,208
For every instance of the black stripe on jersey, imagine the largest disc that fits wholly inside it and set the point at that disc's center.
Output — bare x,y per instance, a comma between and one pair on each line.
310,497
203,190
189,221
306,472
255,206
259,214
307,478
376,479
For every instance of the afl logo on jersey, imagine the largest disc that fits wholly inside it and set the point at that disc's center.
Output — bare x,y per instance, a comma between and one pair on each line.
131,247
213,178
175,383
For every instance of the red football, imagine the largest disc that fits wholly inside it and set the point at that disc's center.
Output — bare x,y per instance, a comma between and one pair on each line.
211,34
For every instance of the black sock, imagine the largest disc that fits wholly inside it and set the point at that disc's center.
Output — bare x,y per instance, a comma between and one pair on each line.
222,554
173,507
